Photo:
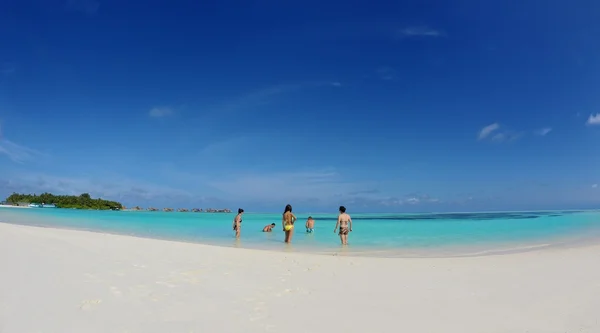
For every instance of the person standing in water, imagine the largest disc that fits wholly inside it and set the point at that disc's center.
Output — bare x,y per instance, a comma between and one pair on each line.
344,222
310,225
287,221
237,223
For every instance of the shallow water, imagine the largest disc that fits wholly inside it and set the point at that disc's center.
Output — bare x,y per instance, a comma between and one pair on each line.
386,235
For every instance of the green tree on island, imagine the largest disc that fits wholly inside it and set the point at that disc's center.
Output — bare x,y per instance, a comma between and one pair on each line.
84,201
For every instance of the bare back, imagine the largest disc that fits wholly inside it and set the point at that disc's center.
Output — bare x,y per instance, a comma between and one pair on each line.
344,219
289,218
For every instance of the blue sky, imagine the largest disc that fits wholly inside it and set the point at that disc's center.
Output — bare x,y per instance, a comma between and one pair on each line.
381,106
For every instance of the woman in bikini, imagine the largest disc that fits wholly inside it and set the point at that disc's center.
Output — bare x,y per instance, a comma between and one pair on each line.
237,223
288,223
344,222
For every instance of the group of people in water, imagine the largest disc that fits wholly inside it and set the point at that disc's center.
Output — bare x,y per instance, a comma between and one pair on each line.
344,224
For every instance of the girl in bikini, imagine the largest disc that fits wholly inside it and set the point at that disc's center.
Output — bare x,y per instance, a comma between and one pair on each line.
237,223
288,223
344,222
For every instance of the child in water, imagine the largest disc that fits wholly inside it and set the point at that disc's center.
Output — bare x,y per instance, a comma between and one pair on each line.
310,225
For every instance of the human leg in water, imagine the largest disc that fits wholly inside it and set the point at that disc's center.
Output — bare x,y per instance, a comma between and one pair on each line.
344,235
289,232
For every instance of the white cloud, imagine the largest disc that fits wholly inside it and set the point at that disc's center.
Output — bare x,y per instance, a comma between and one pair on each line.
256,100
250,100
507,136
543,131
594,119
420,31
413,201
159,112
595,186
319,188
499,137
487,130
127,191
16,152
491,132
410,200
290,186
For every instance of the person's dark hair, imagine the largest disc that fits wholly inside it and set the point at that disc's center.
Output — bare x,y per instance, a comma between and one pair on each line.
273,224
342,209
288,208
310,218
240,210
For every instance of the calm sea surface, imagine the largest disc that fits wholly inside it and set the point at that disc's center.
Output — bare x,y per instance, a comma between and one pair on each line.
373,235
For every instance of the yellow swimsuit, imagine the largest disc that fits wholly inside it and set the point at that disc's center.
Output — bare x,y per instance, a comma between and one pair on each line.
289,225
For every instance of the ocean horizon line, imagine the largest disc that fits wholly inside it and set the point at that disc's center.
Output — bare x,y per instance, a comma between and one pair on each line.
399,213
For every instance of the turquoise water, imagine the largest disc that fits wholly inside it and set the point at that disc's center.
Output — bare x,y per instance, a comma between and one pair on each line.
374,234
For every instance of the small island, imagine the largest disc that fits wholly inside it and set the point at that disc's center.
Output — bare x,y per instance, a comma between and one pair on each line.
83,201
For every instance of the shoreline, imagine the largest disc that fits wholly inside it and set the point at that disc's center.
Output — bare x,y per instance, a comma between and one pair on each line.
80,281
11,206
441,252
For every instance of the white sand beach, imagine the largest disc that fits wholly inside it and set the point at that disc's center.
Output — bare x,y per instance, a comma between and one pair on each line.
55,280
11,206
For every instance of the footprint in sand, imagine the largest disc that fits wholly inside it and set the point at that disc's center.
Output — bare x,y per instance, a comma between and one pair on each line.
285,291
115,291
166,284
295,291
91,277
190,277
260,312
88,304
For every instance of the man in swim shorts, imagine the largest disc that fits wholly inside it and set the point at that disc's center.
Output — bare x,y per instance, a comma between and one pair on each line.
269,228
310,225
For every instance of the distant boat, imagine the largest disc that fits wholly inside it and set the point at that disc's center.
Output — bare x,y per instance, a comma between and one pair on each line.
36,205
